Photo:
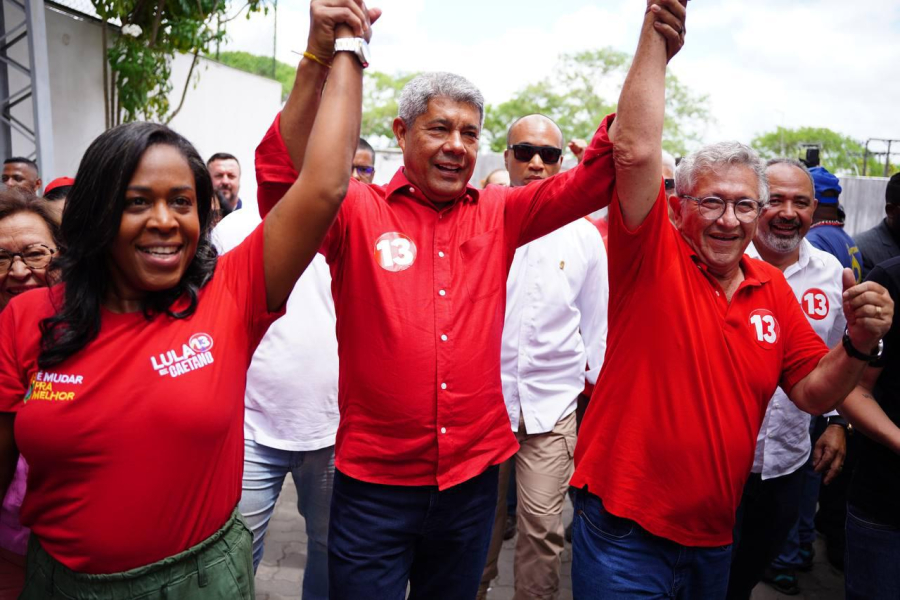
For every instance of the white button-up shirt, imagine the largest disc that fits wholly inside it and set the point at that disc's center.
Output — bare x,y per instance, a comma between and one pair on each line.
556,306
292,384
783,444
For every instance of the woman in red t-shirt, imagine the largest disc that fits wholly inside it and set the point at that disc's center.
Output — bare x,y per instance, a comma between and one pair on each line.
29,238
125,383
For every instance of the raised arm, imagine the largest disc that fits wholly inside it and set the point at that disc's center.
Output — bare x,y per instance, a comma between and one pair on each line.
637,131
302,104
295,228
869,311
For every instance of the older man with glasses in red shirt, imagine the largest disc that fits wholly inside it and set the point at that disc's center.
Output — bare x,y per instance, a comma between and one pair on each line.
419,272
699,338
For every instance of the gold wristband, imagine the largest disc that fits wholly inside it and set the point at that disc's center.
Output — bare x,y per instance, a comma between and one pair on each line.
315,58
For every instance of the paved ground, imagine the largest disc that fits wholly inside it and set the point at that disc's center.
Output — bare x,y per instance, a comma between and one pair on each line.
281,571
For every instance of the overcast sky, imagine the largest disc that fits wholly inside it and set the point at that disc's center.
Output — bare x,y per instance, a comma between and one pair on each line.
763,63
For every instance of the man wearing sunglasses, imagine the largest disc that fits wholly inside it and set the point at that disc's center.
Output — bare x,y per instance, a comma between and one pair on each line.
556,296
364,162
700,336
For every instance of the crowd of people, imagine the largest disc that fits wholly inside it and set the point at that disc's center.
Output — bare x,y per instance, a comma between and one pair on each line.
408,352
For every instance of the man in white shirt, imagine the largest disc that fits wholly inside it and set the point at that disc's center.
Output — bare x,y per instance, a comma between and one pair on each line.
291,410
771,501
557,295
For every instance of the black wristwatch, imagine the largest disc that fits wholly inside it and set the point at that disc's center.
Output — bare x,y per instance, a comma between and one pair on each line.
837,420
854,353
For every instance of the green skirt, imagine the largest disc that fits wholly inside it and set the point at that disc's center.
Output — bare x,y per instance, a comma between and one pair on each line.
219,567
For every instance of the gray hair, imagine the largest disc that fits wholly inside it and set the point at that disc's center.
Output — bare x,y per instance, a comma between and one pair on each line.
723,154
794,163
421,89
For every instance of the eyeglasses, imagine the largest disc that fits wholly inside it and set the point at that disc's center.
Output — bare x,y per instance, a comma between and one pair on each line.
713,207
364,169
525,152
35,256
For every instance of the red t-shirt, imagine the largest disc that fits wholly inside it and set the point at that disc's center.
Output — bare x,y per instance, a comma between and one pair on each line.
135,443
420,295
669,434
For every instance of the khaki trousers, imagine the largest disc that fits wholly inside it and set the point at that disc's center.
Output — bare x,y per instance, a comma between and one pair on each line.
544,465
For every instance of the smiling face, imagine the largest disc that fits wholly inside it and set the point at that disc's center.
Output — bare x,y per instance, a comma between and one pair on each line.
535,130
18,232
789,214
720,244
159,230
440,148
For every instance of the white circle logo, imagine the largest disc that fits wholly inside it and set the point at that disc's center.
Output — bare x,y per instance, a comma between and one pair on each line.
395,251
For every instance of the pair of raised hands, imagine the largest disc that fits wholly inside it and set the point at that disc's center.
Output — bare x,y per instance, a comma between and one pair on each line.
331,19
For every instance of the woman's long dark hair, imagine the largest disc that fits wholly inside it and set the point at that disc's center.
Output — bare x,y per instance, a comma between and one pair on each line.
91,221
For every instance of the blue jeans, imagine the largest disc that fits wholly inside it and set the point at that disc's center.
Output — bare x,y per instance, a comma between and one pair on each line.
870,558
313,472
383,536
615,558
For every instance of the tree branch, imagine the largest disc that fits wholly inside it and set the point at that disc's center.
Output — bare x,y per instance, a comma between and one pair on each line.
187,83
157,20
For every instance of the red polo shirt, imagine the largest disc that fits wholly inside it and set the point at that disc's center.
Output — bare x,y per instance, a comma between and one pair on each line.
420,295
669,434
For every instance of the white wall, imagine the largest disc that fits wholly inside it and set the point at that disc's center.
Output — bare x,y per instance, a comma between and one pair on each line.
227,111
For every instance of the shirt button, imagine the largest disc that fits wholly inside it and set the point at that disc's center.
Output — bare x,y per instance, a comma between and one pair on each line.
770,435
443,430
442,292
443,386
412,190
444,338
441,254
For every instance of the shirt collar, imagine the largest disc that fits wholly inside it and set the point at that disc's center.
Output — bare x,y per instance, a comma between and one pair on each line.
401,185
802,261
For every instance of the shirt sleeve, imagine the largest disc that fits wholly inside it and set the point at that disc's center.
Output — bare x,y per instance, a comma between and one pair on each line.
12,381
275,174
243,271
538,208
803,348
593,303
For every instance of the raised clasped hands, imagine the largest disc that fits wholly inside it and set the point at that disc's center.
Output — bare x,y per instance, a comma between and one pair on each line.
670,22
327,17
869,311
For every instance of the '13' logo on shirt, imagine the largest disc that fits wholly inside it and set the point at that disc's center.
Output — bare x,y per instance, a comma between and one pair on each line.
395,251
765,327
815,304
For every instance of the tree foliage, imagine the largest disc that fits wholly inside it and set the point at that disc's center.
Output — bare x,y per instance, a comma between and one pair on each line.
583,89
838,153
138,67
261,65
380,95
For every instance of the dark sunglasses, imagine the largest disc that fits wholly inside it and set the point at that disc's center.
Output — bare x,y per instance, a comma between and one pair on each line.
525,152
363,169
670,184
